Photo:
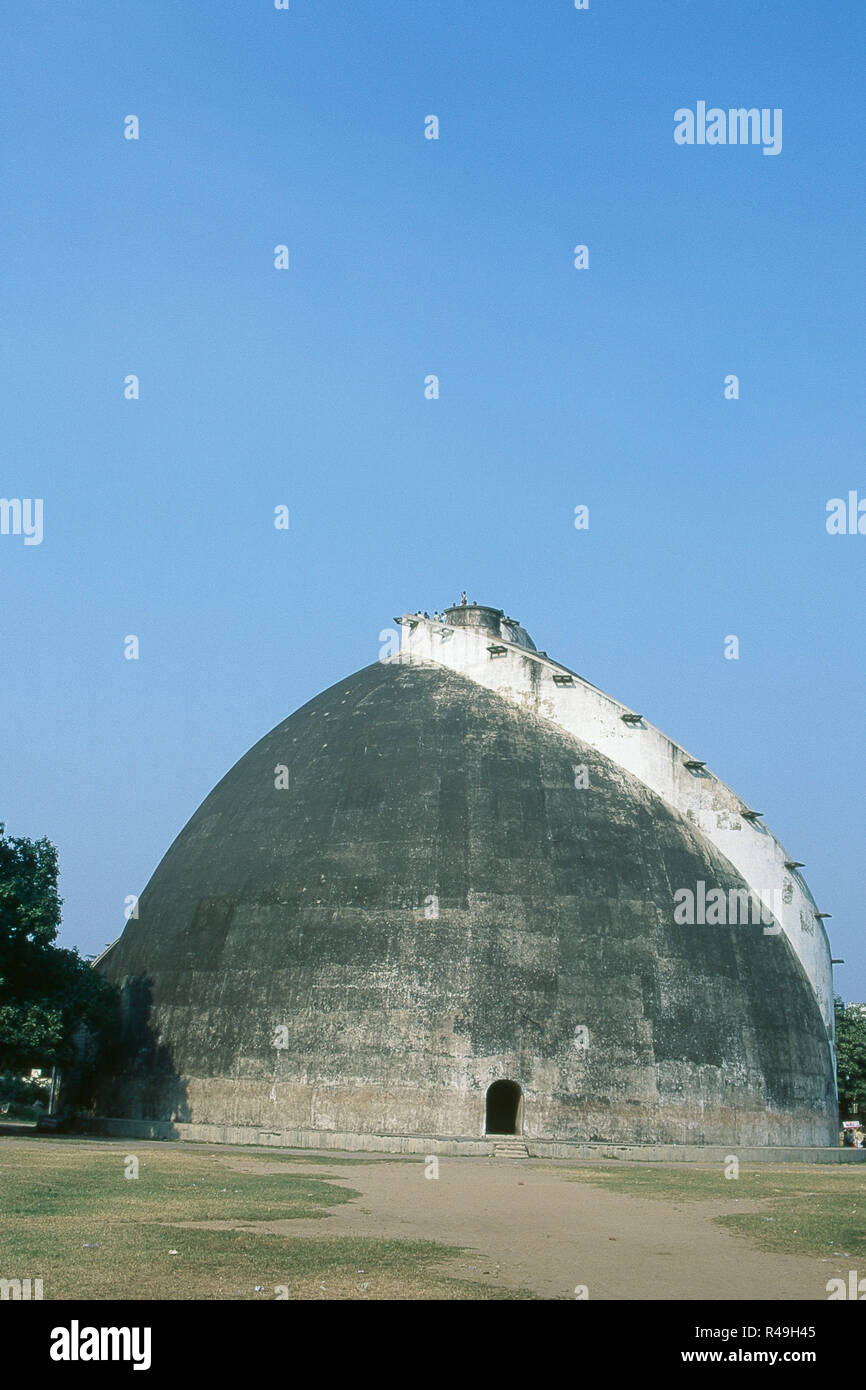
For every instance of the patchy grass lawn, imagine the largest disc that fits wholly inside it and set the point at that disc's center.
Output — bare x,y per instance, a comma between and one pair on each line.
70,1216
817,1210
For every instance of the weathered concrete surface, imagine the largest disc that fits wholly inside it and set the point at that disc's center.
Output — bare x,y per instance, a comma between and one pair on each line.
433,905
529,679
330,1142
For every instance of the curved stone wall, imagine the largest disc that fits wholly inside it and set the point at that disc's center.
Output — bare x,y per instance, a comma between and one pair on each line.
529,680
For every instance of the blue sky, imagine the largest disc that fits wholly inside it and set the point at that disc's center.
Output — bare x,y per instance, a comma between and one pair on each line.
305,387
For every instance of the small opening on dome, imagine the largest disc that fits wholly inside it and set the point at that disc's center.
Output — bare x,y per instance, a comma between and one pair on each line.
503,1108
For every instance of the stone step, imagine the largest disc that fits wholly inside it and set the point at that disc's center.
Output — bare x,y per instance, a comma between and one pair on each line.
510,1148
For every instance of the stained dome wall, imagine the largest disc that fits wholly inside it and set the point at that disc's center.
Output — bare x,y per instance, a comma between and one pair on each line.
430,905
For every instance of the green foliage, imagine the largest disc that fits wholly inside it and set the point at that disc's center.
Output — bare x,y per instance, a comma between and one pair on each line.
18,1090
22,1099
851,1053
46,993
29,905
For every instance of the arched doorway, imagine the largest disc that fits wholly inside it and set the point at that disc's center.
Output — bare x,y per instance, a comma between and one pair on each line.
504,1109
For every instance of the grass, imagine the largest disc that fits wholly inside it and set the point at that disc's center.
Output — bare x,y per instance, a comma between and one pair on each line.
809,1211
69,1216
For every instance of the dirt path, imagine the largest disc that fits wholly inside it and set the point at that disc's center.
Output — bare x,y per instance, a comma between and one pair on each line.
526,1226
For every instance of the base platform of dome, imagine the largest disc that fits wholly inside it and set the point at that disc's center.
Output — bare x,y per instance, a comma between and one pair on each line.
440,901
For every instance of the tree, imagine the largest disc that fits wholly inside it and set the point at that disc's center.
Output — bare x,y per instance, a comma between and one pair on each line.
46,992
851,1055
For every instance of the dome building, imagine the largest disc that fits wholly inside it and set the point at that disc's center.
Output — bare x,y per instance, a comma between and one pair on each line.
465,894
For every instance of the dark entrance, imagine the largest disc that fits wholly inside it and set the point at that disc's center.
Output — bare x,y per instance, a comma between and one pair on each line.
503,1108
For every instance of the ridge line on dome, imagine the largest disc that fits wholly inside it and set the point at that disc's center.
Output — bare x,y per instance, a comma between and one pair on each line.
750,863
